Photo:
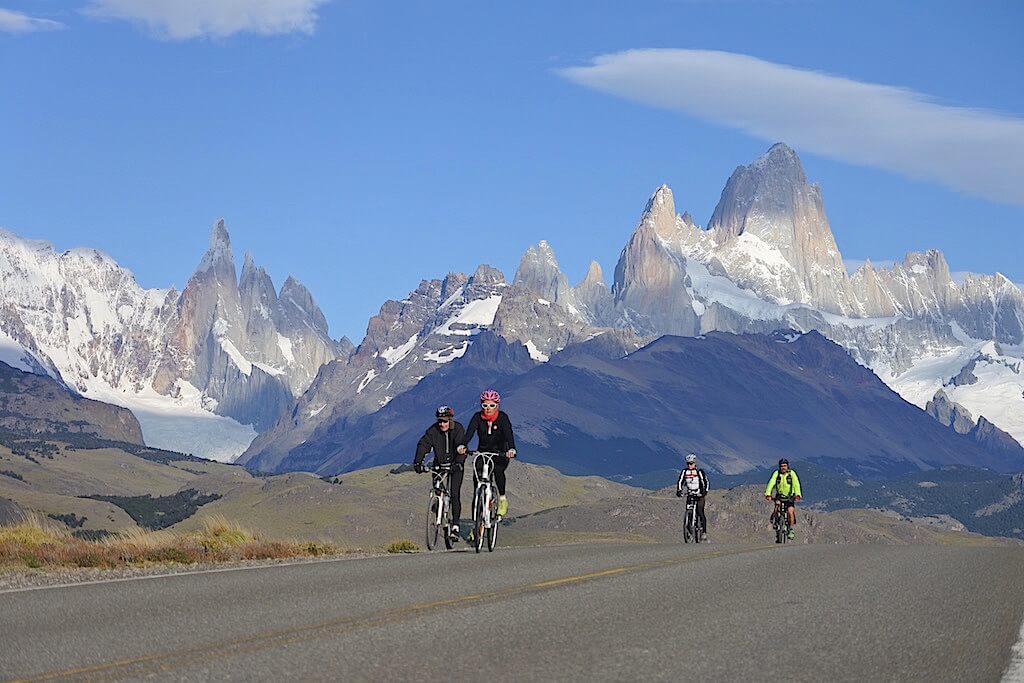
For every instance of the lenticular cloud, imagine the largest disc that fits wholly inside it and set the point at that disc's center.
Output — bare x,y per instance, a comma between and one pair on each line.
973,151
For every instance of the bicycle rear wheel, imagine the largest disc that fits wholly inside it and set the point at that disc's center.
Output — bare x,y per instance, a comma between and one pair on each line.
433,528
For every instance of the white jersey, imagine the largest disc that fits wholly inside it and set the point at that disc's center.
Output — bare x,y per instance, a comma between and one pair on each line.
694,482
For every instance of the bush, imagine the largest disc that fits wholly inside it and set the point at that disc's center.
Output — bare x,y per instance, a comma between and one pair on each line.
162,511
403,546
71,519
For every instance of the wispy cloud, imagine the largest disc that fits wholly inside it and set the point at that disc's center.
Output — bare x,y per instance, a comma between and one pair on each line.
974,151
17,22
184,19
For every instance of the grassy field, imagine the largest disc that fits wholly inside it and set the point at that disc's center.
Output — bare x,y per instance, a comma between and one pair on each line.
370,509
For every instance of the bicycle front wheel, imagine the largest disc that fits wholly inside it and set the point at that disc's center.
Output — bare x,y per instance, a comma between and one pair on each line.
492,536
478,523
433,528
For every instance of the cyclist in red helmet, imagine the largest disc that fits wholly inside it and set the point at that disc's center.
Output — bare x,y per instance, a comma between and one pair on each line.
444,438
494,432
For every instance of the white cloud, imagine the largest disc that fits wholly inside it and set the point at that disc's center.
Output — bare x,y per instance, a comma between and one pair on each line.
970,150
16,22
184,19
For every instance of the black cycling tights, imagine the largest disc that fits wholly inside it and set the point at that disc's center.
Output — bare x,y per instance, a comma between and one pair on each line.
700,514
455,490
500,463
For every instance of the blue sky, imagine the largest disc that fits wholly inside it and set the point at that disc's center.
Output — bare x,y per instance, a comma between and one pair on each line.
362,146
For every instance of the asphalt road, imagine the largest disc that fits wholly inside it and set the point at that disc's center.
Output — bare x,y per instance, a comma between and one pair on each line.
604,612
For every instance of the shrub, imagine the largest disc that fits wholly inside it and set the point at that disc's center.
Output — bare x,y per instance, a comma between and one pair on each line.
70,519
403,546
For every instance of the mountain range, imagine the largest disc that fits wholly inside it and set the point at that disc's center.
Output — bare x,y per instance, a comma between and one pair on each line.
202,369
234,358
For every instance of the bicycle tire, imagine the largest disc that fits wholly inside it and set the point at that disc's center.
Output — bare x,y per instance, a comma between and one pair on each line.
433,530
478,525
448,542
492,536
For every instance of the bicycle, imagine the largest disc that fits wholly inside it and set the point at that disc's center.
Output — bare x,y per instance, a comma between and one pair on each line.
780,520
439,507
485,502
692,529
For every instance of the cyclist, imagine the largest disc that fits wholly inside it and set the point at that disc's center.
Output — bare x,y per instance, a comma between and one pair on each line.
494,432
444,437
693,482
787,487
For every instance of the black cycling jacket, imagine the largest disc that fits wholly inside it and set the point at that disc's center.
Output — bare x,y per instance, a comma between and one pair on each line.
442,443
494,437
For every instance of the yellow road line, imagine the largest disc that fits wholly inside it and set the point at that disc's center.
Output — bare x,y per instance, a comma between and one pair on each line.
176,659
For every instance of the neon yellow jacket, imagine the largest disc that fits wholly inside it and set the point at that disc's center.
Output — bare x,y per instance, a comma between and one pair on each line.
788,486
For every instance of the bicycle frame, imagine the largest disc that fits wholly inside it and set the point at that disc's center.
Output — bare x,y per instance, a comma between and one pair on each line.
439,483
782,520
440,505
484,486
692,525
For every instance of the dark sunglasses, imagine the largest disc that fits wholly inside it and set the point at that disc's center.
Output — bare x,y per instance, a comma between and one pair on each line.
443,421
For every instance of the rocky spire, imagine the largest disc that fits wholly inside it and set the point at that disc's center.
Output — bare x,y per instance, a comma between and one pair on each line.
650,281
260,307
594,277
539,272
660,213
218,256
294,296
594,296
772,201
949,413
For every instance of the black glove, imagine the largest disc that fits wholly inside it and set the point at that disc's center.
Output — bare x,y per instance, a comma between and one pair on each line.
679,494
418,466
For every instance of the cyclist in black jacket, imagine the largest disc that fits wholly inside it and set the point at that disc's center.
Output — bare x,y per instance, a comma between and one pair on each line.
445,437
494,431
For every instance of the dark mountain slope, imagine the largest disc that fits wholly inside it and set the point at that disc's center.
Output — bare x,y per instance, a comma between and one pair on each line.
38,405
740,401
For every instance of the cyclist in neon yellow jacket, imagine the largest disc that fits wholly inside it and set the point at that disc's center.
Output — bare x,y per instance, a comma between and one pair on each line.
787,492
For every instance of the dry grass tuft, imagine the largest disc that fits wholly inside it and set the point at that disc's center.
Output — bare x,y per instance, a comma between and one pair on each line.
403,545
35,543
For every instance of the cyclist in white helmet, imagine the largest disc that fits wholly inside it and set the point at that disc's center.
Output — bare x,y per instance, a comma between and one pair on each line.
693,482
